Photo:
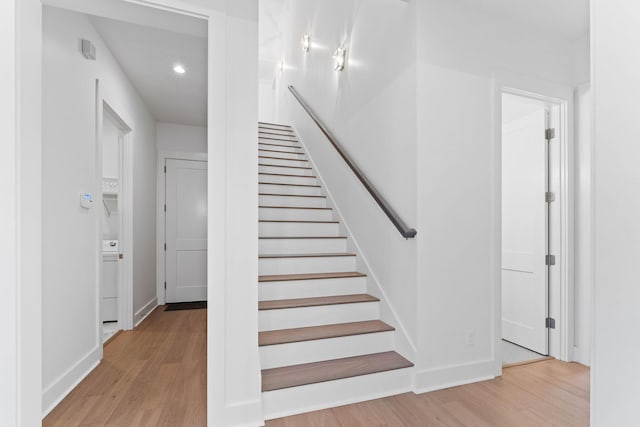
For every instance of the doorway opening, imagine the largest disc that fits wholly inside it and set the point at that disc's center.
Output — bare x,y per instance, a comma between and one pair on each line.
115,281
533,136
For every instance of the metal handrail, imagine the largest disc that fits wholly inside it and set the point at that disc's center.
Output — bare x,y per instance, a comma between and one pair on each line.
404,230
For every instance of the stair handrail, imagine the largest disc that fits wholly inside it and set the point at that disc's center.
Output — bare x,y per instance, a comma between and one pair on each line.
404,230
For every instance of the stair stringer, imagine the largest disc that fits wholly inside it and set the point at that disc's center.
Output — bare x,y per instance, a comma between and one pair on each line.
388,314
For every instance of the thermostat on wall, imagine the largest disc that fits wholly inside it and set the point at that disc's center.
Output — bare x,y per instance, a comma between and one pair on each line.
86,200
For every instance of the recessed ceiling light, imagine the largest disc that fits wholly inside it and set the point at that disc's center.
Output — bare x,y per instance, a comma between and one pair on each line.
179,69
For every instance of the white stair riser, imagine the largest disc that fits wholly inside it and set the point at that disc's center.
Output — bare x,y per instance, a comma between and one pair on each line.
302,246
290,153
329,229
269,291
315,316
312,397
270,266
310,202
284,162
288,141
282,169
275,356
288,178
290,189
284,214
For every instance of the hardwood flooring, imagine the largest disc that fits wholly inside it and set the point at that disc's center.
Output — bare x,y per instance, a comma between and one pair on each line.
156,376
547,393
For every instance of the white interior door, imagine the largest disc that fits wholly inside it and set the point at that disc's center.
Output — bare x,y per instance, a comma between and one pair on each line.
524,231
186,230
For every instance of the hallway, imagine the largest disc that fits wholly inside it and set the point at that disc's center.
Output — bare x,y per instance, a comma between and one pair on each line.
154,375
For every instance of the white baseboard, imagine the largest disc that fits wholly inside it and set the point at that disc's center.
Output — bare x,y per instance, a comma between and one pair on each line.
238,414
146,310
53,394
453,376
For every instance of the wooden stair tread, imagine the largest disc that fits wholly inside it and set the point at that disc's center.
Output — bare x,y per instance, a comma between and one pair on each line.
283,158
302,237
279,151
286,174
282,166
263,131
318,255
315,301
329,370
289,185
299,221
310,276
290,131
292,195
284,336
293,207
281,145
273,124
277,139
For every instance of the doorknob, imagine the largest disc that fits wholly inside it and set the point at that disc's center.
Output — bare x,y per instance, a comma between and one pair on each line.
120,256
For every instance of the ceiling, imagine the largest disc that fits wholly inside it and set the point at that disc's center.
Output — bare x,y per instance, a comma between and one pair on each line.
147,55
566,18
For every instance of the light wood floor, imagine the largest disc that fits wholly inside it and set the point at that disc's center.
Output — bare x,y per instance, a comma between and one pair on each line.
156,376
548,393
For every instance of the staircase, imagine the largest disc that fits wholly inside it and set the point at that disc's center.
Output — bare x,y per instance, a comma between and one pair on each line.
321,341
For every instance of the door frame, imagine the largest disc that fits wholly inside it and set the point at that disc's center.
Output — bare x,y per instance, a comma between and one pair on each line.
231,120
561,304
163,156
125,222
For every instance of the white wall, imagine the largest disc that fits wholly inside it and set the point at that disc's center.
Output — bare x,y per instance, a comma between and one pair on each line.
70,242
233,369
174,137
28,238
8,219
616,88
465,56
584,224
370,108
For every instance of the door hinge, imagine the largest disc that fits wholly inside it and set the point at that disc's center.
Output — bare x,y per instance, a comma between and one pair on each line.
550,323
549,196
550,259
165,168
549,134
165,207
165,285
165,246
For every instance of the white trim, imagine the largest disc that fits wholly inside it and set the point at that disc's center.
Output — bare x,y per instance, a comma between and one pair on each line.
561,339
163,155
28,102
404,345
10,353
454,375
125,206
54,393
145,311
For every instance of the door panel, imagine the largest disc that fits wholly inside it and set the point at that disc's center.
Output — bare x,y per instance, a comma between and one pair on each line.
524,232
186,230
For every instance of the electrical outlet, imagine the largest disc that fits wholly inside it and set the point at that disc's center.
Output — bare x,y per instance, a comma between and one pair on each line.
470,338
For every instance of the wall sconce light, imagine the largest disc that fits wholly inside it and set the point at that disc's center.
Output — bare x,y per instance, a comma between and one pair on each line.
281,65
339,58
306,42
